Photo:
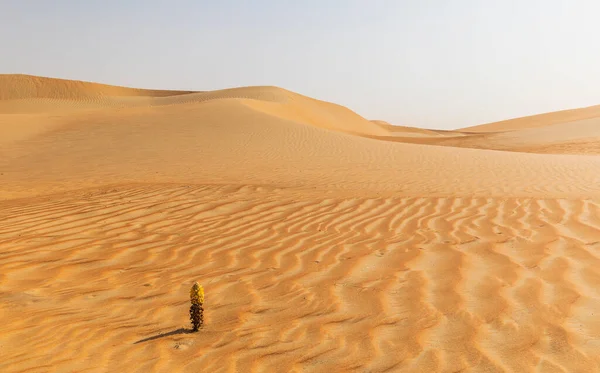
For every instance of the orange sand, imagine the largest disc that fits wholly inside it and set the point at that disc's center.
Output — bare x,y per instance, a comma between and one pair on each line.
325,242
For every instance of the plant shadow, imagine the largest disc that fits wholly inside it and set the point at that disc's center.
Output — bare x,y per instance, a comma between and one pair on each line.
168,334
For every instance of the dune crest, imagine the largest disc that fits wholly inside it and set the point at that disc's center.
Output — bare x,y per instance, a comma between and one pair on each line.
22,94
21,86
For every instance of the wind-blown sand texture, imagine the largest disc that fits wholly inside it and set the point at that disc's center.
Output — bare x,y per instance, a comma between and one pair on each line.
325,242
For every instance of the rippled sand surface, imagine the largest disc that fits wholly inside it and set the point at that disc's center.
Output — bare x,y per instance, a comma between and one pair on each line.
325,242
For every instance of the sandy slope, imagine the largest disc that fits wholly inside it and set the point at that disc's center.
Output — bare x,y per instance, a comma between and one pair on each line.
20,86
405,131
539,120
553,137
574,131
574,137
325,242
580,137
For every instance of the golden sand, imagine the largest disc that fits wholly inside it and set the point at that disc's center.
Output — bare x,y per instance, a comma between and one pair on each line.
325,242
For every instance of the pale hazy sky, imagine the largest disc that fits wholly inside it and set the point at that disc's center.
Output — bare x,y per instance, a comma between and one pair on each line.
428,63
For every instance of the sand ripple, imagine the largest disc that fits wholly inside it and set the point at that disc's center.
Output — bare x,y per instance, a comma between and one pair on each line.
97,281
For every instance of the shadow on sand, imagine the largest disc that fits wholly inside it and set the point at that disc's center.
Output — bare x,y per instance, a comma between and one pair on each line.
168,334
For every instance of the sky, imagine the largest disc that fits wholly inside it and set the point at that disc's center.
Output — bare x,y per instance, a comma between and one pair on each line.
427,63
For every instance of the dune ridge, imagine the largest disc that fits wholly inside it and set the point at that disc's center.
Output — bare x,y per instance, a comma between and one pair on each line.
31,95
266,136
326,242
22,86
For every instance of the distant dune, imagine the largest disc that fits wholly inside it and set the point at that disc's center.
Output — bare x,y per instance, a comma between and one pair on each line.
326,242
540,120
17,87
404,131
563,132
252,135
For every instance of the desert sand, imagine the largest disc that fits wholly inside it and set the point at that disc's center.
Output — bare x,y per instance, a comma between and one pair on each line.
326,242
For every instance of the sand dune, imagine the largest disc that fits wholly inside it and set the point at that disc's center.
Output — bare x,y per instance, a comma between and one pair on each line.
539,120
563,132
266,136
574,137
20,86
326,242
405,131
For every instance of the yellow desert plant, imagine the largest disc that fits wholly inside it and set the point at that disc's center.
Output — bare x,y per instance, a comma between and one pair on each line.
196,310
